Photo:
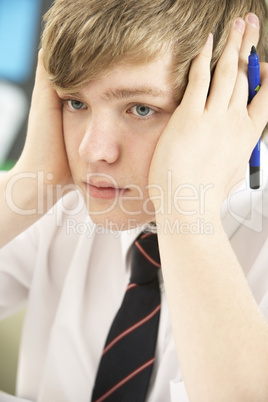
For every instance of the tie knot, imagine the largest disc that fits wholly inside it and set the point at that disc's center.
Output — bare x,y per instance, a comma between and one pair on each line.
145,259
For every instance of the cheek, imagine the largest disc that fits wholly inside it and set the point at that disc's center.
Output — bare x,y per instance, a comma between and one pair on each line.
149,147
141,154
71,136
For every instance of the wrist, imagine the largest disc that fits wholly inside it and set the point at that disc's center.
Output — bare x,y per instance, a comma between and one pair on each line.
31,192
188,226
186,203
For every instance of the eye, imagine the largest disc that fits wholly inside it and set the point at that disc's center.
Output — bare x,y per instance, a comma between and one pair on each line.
75,104
142,110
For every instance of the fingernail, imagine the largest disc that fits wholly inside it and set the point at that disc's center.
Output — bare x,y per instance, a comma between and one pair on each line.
253,20
239,24
210,38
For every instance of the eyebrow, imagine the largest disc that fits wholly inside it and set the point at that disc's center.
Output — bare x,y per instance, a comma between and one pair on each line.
125,93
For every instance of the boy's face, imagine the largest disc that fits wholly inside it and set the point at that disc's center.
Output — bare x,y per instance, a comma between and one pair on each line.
111,128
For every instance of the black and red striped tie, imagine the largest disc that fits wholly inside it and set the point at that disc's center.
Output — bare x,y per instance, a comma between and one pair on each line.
129,353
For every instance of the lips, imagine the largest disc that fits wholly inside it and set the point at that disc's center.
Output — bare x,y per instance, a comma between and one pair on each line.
102,183
103,190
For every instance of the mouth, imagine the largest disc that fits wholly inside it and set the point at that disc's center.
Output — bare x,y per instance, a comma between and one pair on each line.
104,190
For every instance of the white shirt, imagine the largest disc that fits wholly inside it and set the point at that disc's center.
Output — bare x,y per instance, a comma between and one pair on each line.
73,276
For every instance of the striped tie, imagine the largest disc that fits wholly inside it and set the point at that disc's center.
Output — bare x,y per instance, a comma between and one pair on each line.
128,356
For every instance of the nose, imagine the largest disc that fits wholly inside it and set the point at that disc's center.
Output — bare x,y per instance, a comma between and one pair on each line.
100,141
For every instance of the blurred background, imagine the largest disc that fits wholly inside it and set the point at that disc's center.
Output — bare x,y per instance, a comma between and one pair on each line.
20,28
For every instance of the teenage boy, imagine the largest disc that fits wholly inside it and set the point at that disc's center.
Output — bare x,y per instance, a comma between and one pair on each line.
139,160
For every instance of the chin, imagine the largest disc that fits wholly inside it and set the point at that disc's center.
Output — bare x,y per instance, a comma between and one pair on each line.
120,222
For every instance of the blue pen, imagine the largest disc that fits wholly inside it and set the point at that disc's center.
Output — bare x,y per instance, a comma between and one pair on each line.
254,86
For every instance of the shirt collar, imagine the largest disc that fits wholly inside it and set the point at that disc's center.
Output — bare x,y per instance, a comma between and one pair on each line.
245,206
127,238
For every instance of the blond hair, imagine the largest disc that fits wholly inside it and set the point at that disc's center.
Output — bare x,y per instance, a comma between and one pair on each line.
84,38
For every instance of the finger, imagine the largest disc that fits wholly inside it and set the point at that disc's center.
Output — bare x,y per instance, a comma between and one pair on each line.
46,107
250,38
225,75
257,109
196,92
40,75
43,93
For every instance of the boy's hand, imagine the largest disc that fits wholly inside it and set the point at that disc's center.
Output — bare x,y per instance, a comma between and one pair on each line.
209,139
44,149
30,189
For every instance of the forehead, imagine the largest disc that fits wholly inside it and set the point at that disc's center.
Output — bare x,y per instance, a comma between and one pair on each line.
125,80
